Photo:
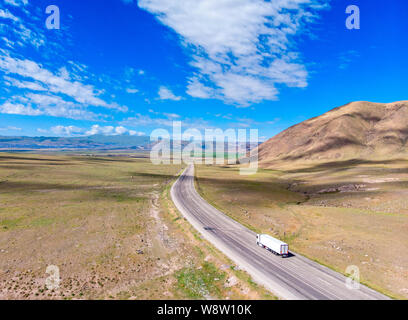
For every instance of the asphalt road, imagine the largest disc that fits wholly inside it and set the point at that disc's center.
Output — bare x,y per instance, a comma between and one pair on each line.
295,277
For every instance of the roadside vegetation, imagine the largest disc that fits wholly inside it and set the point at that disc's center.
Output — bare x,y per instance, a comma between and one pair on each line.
108,224
338,214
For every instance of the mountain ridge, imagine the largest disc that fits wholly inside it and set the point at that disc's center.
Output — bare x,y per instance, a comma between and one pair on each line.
86,142
357,130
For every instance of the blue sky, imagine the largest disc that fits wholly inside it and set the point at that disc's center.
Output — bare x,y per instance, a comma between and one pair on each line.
129,67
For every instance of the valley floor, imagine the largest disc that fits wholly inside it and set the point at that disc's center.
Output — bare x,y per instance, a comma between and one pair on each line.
340,214
108,225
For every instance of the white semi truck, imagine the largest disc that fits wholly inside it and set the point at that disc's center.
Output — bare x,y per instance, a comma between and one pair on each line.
276,246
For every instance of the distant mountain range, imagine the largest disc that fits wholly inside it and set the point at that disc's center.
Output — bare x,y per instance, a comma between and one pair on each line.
95,142
358,130
90,142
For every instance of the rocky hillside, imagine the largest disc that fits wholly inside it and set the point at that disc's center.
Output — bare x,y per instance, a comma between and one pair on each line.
358,130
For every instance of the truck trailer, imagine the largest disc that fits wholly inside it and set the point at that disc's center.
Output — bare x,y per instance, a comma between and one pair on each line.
274,245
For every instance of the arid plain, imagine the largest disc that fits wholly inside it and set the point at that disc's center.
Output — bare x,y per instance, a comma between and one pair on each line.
110,227
339,213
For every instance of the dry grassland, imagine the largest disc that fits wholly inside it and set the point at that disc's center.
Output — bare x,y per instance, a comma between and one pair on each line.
109,226
340,214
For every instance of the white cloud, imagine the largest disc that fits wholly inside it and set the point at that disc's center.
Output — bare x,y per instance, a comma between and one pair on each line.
167,94
198,90
97,129
244,88
24,84
136,133
61,130
16,3
5,14
154,112
171,115
83,94
120,130
33,104
10,128
241,49
8,42
66,130
40,130
132,90
18,108
33,36
110,130
63,73
25,35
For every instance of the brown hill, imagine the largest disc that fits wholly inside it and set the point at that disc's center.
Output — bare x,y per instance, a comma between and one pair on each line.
358,130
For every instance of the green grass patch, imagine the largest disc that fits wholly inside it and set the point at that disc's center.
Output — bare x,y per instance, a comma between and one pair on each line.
8,224
200,283
42,222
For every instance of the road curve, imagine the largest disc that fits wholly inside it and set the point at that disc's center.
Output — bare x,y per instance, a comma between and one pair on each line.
295,277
